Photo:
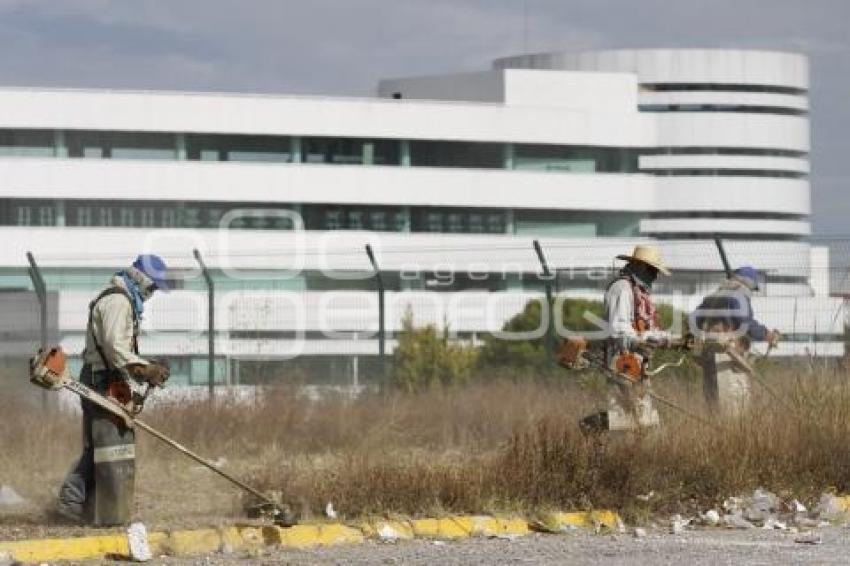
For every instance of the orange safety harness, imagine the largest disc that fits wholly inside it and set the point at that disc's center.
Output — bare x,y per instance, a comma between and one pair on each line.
117,387
644,318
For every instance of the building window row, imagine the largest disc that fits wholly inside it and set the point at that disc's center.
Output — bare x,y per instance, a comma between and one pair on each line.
119,145
744,108
727,173
722,87
729,214
313,149
749,236
264,216
459,220
345,151
709,150
26,143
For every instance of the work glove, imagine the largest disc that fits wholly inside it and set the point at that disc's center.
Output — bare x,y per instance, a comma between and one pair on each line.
155,373
657,341
773,337
686,342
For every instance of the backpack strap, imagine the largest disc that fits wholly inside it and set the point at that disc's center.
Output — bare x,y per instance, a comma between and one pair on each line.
644,314
135,345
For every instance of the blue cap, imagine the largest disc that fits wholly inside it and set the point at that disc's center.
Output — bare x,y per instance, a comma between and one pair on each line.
154,267
748,276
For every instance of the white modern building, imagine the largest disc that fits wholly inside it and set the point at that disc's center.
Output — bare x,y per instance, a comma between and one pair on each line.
449,178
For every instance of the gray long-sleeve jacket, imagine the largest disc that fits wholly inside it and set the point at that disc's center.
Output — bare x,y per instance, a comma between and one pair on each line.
112,324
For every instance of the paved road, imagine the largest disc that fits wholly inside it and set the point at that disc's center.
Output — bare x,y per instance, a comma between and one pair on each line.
692,548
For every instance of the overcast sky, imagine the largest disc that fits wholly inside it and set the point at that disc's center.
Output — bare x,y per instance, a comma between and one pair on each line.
345,46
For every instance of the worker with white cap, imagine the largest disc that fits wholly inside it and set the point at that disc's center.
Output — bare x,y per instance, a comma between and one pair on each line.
633,331
99,489
725,325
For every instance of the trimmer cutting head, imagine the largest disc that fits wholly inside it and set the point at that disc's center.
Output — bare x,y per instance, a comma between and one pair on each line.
280,515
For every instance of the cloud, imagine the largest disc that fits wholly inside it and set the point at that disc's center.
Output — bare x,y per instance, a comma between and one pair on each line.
85,32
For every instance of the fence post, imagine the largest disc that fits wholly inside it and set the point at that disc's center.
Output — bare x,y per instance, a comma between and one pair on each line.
547,283
379,282
727,269
41,293
210,325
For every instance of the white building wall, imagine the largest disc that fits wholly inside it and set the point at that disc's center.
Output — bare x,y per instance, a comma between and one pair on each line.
318,116
720,72
597,92
483,86
584,99
717,66
732,129
819,274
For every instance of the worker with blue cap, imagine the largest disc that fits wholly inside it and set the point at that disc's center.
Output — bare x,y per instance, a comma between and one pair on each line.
99,489
726,324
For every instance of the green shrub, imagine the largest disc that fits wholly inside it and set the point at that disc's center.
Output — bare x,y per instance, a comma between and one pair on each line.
425,358
534,354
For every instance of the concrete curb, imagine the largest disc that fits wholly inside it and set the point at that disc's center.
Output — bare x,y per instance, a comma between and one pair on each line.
233,538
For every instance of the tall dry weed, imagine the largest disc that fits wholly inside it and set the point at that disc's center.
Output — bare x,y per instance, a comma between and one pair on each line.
485,447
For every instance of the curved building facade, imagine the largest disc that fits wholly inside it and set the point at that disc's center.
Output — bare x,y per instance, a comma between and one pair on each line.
737,117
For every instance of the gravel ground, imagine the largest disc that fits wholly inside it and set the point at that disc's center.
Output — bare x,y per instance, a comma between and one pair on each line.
710,546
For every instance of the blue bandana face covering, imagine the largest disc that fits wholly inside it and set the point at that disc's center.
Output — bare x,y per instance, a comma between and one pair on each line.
135,293
642,273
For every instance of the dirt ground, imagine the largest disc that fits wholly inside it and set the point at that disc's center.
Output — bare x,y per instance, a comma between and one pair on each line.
168,494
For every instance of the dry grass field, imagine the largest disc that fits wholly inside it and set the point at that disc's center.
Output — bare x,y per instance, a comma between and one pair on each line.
501,446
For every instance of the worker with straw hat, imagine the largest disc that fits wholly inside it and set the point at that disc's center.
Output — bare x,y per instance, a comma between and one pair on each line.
633,331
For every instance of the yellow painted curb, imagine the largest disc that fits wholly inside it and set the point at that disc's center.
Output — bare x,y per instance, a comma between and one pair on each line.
205,541
81,548
387,529
448,528
560,521
319,535
493,527
843,502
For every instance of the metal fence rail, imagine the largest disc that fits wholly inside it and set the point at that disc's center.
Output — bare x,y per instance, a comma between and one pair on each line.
253,316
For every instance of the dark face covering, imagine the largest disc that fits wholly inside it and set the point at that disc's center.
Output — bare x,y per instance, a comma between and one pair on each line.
645,273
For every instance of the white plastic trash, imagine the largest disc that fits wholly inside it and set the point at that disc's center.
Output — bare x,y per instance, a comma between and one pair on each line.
711,518
10,497
387,534
678,524
797,507
809,538
761,505
137,540
831,508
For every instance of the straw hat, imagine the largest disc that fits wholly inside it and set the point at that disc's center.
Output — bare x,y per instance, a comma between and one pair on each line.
649,255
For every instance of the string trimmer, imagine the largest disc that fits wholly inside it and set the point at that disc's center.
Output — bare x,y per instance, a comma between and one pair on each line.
575,355
48,370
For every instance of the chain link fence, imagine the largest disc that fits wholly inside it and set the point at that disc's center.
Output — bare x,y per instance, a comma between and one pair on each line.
315,317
